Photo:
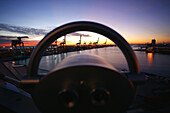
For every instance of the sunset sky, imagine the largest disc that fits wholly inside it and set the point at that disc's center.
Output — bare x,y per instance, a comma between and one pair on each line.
138,21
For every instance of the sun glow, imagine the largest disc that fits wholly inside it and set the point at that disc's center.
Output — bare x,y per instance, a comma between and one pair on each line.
87,38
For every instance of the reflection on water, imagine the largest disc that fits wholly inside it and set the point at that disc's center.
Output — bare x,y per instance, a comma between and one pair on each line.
78,52
149,62
20,62
13,62
154,63
96,51
150,58
47,62
111,54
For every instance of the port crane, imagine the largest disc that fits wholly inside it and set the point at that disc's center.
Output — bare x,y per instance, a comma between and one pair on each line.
64,41
55,42
18,52
105,42
95,43
90,43
84,43
79,43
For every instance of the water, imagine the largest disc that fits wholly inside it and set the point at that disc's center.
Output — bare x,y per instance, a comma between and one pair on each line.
152,63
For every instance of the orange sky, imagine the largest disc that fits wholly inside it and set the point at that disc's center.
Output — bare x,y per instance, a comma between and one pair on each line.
93,37
138,21
75,40
34,43
26,43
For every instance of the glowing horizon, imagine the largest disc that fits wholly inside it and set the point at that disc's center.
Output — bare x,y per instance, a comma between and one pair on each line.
76,40
72,39
137,21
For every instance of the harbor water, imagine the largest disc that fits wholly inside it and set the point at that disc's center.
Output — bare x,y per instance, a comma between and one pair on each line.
154,63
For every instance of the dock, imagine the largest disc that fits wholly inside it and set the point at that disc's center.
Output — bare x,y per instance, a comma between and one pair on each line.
9,54
154,48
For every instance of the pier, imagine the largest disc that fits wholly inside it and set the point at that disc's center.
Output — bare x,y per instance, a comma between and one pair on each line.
9,54
154,48
18,51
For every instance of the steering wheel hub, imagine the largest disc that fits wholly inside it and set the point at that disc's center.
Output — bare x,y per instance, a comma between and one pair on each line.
104,89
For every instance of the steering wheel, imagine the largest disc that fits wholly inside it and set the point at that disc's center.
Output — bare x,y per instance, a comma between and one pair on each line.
118,93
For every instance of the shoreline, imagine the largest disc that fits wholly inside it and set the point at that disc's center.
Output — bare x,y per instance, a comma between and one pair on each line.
9,54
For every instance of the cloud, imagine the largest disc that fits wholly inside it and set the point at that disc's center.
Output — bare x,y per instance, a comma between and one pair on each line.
6,41
78,34
7,37
22,30
31,31
2,41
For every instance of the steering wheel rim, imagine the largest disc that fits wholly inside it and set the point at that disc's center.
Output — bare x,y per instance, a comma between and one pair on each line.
82,26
